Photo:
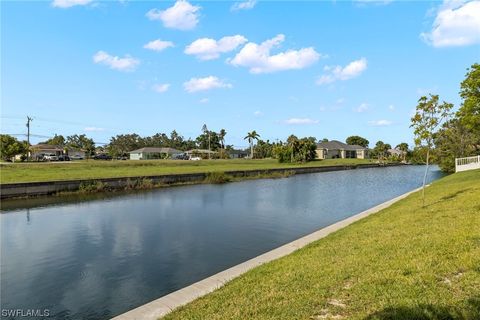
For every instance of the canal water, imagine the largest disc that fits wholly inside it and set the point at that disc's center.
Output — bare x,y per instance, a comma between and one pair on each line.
97,258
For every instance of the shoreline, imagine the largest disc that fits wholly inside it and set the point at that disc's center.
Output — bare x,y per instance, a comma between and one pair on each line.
59,187
164,305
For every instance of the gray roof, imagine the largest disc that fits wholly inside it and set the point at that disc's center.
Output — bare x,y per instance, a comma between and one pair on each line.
156,150
200,151
337,145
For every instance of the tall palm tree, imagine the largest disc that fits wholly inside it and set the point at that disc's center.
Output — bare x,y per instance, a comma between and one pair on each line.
205,132
251,137
222,135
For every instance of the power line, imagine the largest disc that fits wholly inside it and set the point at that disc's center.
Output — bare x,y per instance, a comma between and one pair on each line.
31,135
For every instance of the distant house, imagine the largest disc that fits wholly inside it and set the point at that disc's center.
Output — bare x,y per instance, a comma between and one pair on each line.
38,151
203,153
237,154
149,153
336,149
396,152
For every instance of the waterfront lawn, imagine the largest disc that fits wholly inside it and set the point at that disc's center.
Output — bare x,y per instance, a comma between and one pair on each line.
405,262
91,169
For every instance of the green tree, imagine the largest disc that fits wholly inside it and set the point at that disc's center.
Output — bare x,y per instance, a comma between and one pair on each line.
251,137
121,144
209,140
81,142
380,150
10,147
357,140
404,148
57,140
263,149
296,150
469,112
429,115
221,136
453,140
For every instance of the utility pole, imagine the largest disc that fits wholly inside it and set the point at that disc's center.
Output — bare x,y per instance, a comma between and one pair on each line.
28,137
209,145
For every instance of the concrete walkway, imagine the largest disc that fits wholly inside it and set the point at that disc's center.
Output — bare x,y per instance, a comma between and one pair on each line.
162,306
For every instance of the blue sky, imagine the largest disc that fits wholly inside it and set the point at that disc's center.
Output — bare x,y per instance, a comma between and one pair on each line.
325,69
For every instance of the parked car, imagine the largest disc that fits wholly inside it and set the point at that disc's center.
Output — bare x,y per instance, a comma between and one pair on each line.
102,157
195,158
182,156
63,158
76,157
122,158
50,157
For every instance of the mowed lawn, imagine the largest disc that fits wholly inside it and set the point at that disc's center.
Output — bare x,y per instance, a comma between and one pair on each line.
91,169
405,262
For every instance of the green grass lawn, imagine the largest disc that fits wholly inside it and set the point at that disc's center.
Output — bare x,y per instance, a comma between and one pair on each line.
29,172
405,262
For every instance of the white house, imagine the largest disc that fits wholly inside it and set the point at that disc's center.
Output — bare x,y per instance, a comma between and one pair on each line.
149,153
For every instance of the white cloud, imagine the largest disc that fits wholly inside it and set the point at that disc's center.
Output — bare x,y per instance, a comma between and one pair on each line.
301,121
182,16
158,45
391,107
351,70
380,123
457,24
122,64
244,5
257,57
93,129
161,87
362,108
208,49
69,3
203,84
204,100
258,113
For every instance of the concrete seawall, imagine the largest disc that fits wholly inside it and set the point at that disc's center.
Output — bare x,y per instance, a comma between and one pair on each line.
31,189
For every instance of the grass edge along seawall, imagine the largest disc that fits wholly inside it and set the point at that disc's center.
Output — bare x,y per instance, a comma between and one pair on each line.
404,262
62,187
92,169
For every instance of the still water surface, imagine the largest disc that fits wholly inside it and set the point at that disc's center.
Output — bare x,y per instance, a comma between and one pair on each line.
96,259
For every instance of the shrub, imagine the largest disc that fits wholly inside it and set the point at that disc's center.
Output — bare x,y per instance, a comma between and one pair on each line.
92,186
217,177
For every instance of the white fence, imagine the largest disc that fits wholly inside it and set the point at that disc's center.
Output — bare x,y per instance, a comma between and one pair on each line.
469,163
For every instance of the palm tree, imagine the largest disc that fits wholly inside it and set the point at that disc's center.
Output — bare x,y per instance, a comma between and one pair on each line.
205,132
404,148
222,135
251,137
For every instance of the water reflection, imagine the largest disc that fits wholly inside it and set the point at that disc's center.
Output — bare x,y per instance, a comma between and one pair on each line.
95,259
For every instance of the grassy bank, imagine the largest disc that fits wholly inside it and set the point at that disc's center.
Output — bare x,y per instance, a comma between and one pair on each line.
405,262
30,172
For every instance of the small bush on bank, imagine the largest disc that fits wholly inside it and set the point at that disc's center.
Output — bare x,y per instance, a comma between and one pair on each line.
217,177
92,186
